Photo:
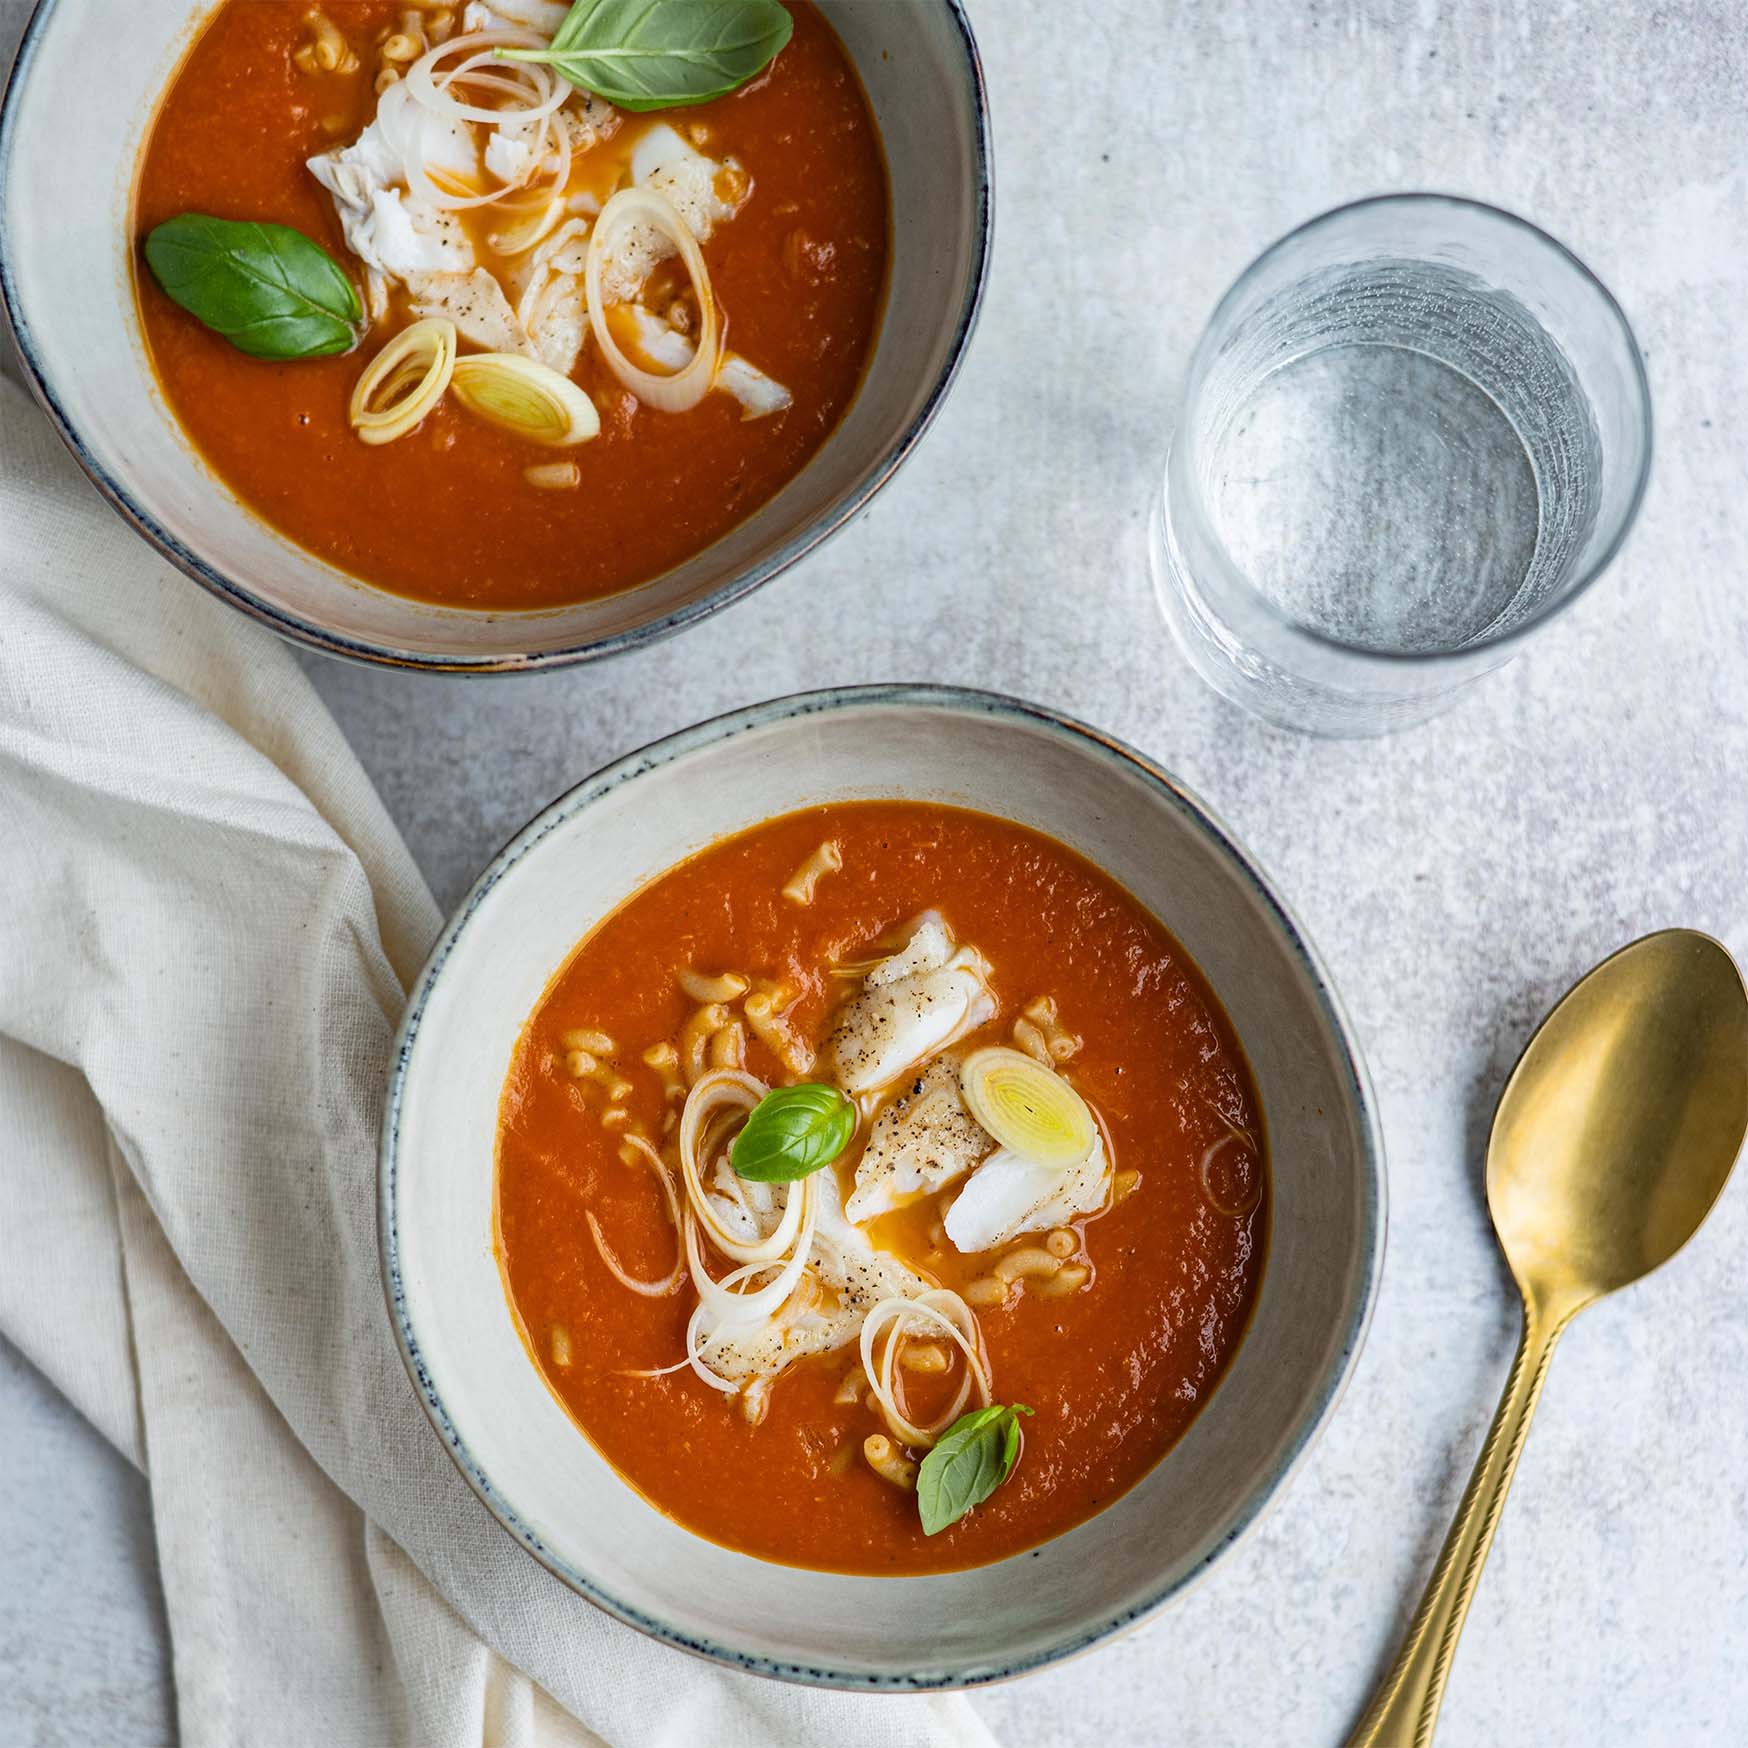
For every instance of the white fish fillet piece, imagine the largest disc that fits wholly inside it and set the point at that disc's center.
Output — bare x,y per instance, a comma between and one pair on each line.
565,251
748,1220
920,1143
661,160
510,144
852,1276
402,131
1008,1195
401,238
759,395
388,229
395,236
560,325
929,947
475,303
589,120
911,1007
509,153
552,305
666,348
544,16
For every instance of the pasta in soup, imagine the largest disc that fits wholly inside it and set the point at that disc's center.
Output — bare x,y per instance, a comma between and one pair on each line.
480,334
882,1190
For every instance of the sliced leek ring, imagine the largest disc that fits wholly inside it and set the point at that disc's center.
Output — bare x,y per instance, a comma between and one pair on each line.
1030,1110
404,381
526,397
683,389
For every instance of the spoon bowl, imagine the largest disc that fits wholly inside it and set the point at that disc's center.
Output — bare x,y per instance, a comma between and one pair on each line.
1618,1127
1615,1134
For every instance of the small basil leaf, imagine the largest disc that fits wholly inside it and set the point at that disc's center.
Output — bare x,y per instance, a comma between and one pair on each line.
664,54
974,1456
268,289
793,1131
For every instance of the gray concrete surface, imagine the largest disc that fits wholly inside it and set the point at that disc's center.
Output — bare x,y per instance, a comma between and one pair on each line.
1457,877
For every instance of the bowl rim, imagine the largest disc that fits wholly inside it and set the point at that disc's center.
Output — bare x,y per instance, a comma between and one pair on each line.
958,701
297,629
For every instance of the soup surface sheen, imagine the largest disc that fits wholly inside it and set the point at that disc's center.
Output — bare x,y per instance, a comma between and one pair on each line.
1114,1372
448,514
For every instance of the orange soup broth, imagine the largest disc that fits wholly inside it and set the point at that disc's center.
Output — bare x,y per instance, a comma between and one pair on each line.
1114,1372
447,514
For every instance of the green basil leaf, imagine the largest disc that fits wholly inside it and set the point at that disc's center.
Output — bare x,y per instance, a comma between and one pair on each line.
793,1131
268,289
664,54
974,1456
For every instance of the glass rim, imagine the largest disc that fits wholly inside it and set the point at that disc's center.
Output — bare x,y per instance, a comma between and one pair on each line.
1549,610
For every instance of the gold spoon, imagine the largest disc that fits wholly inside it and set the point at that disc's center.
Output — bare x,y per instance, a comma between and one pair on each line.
1613,1138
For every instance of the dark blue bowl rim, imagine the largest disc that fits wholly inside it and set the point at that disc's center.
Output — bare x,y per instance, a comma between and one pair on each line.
952,700
311,635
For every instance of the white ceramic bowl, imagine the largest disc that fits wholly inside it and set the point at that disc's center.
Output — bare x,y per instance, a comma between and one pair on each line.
513,1440
65,239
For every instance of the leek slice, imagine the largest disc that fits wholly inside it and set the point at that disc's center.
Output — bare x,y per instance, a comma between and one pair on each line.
526,397
1030,1111
683,389
404,381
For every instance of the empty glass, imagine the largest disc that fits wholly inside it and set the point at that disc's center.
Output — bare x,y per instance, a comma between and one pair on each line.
1415,429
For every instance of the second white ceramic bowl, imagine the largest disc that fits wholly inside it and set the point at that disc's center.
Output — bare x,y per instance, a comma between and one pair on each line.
513,1440
66,238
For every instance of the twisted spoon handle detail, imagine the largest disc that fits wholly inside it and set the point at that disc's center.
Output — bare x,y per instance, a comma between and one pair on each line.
1404,1708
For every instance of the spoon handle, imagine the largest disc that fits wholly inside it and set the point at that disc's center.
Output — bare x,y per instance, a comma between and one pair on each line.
1404,1708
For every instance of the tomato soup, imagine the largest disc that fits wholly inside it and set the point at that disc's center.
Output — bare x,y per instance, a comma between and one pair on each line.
298,116
1041,1213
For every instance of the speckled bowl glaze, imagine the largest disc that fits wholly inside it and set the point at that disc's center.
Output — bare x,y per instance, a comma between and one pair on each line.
513,1440
66,198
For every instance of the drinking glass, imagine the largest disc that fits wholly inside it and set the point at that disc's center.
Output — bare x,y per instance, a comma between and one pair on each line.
1415,430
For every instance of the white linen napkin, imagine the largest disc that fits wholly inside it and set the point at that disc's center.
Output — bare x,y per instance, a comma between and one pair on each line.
207,923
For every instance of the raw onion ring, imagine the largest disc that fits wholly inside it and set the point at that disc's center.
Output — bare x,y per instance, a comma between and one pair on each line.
669,1283
738,1310
734,1089
695,1354
432,92
1233,1209
947,1311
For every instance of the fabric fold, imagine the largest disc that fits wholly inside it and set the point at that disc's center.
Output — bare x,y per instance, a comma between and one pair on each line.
209,926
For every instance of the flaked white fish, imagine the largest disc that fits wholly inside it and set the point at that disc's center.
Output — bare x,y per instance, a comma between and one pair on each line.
475,303
920,1143
552,306
544,16
849,1276
385,226
1008,1195
663,347
911,1006
510,150
380,185
404,239
661,160
692,182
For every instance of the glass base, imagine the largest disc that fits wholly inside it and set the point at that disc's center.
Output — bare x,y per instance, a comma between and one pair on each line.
1264,688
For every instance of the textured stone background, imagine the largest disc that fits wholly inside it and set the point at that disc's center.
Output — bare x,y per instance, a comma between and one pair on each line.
1456,878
